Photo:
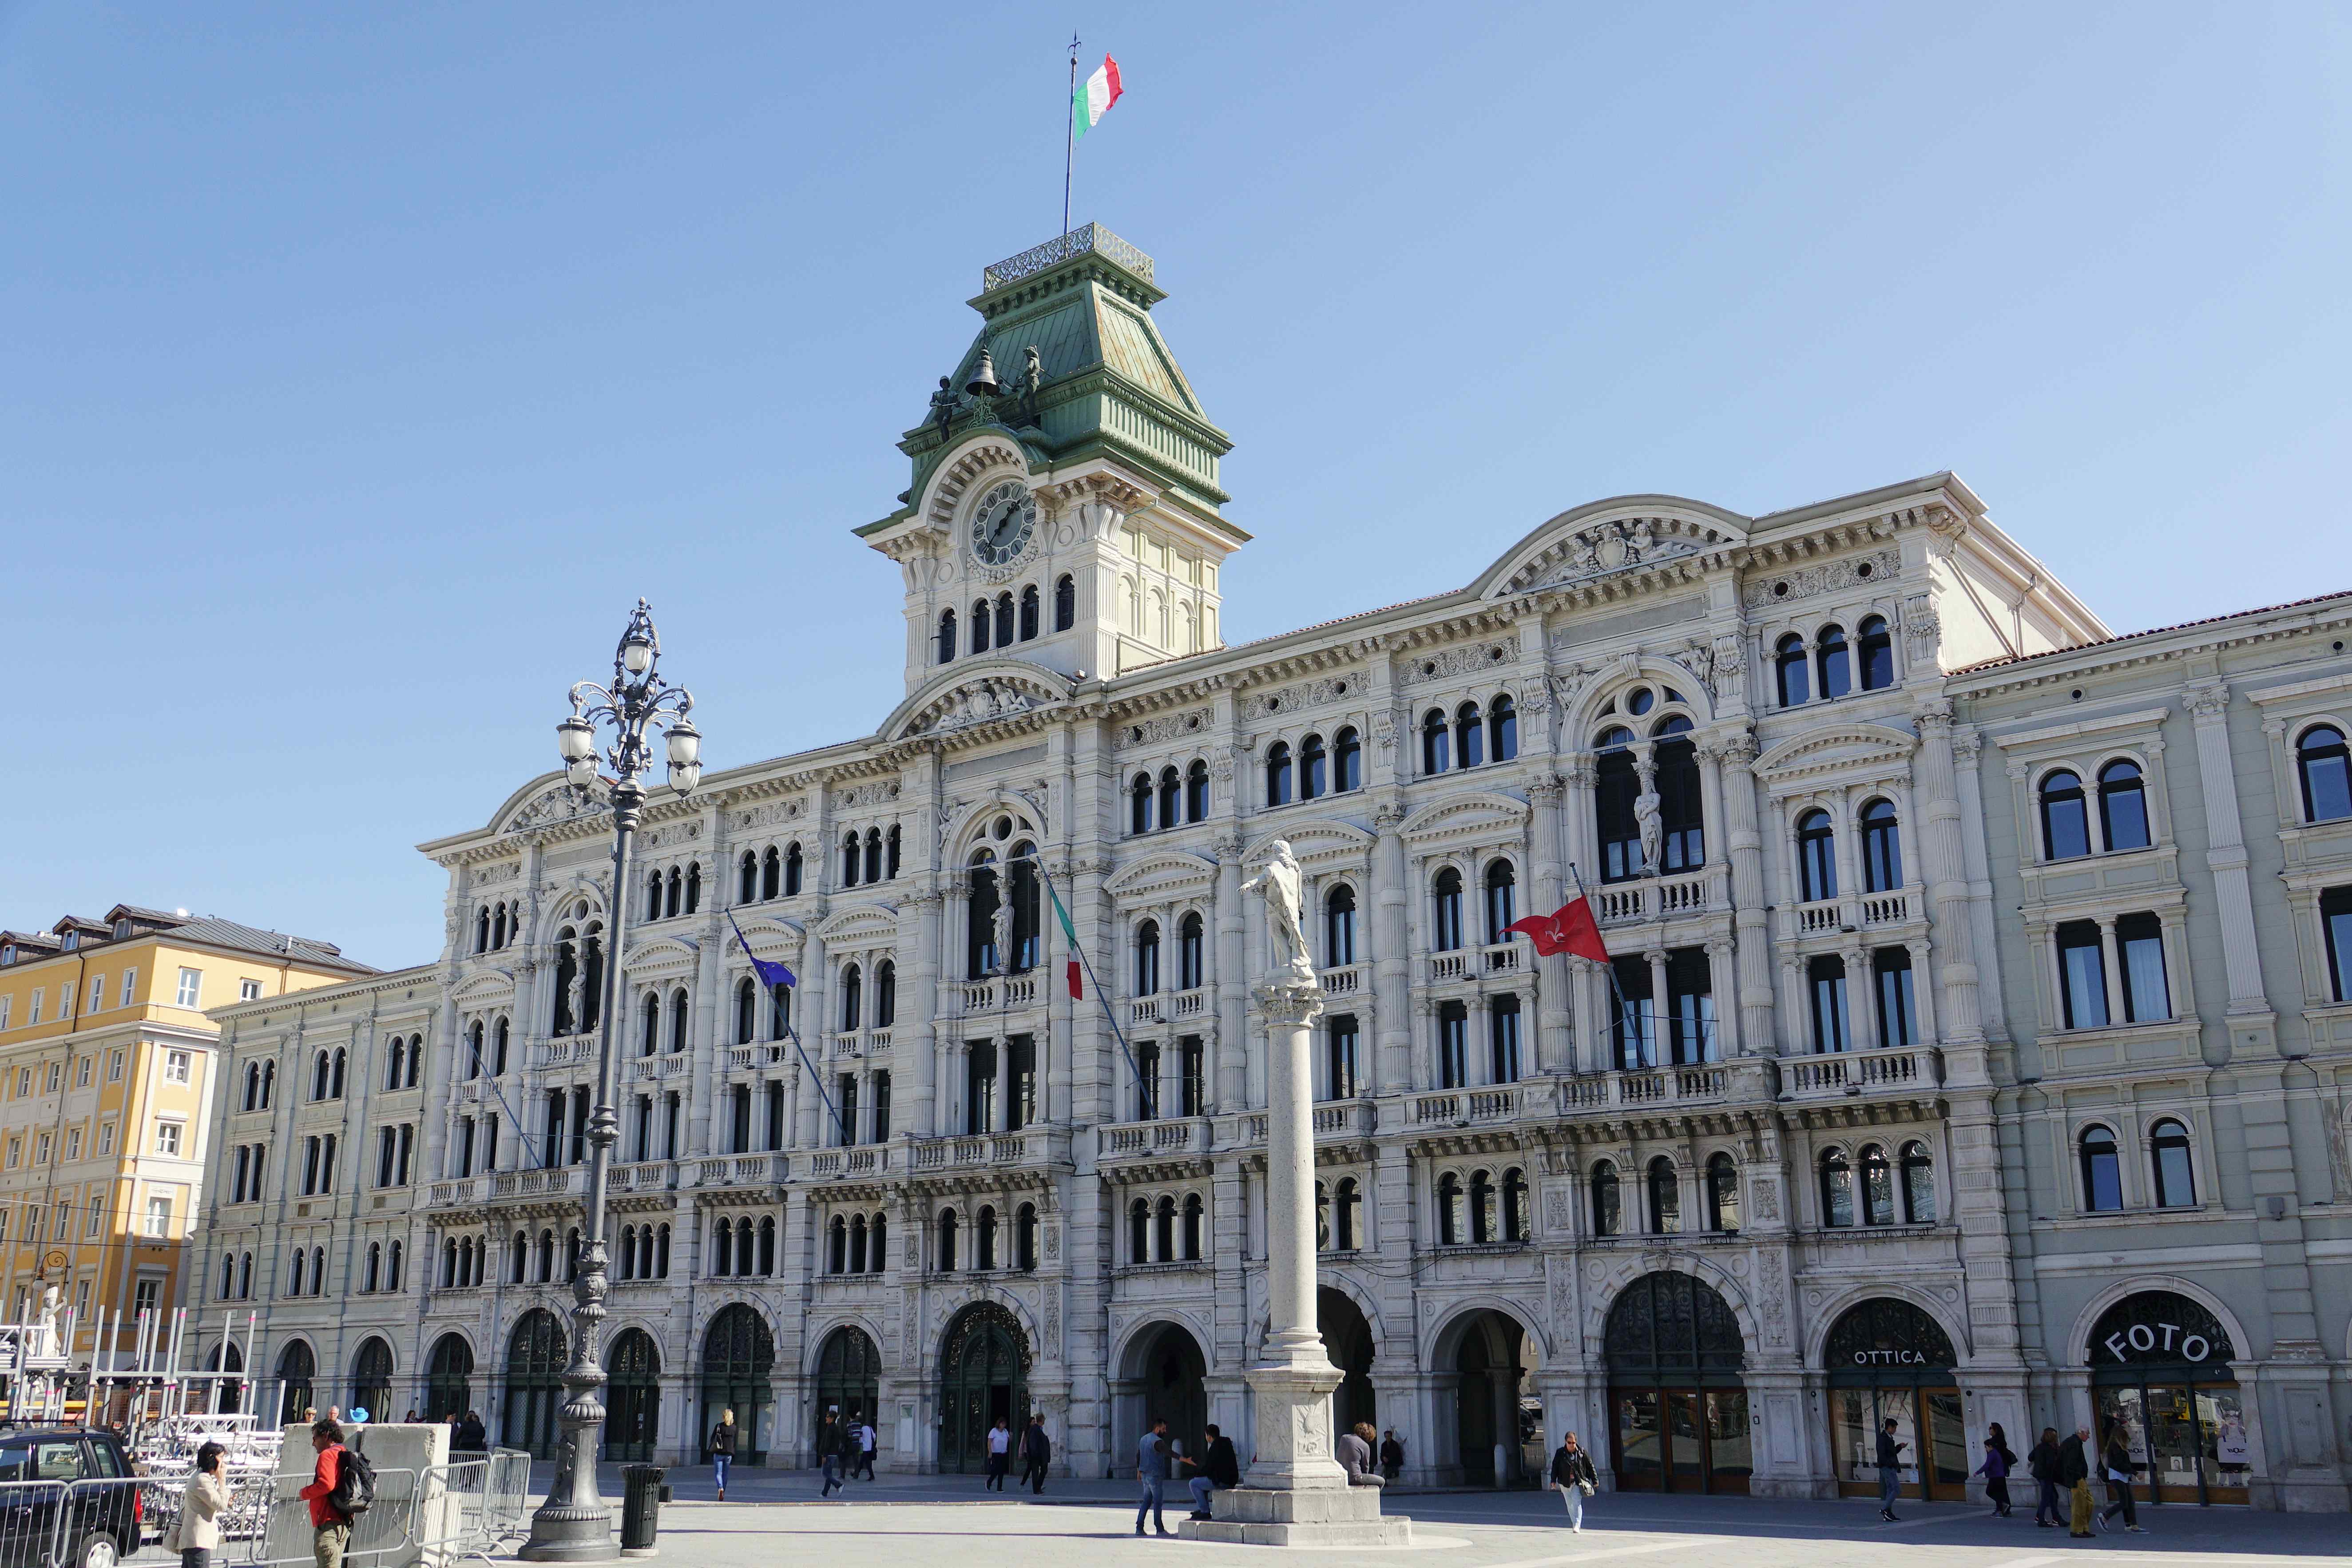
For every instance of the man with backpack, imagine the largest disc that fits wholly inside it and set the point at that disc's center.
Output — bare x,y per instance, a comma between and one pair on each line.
342,1489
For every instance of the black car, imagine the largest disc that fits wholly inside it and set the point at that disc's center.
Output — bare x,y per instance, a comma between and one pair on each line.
67,1492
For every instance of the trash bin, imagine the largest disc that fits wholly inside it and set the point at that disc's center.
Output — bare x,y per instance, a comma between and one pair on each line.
641,1498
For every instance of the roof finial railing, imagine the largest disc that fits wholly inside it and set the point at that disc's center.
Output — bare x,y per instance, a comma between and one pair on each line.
1091,236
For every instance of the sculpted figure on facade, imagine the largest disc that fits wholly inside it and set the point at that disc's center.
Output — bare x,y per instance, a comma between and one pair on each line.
1280,885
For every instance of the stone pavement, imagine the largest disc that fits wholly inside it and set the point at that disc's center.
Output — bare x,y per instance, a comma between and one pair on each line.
1089,1524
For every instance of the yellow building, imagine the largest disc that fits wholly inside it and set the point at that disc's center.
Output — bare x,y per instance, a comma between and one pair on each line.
106,1060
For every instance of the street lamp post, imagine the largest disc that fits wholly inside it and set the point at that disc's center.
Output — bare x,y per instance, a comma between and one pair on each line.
574,1525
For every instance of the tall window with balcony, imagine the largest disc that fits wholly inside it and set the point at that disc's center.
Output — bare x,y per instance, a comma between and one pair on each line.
2065,817
1169,797
885,994
1898,1017
1503,1038
1826,978
980,1087
2334,937
1882,848
1690,1006
980,917
1681,814
853,988
1445,927
1502,901
2139,943
2123,806
1874,652
1192,1076
2324,770
1633,1014
1196,792
1026,907
1453,1045
2082,976
1436,747
1817,878
1146,959
1190,952
1617,784
1313,768
1339,927
1833,662
1339,1048
747,1011
1021,1064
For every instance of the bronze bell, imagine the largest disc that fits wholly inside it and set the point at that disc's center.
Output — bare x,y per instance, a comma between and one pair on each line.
983,376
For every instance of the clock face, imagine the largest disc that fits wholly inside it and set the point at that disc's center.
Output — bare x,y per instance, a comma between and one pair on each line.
1004,524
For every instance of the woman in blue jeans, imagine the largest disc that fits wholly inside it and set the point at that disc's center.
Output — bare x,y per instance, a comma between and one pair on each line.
722,1450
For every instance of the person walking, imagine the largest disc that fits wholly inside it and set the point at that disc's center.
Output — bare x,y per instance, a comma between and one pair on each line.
1000,1454
196,1533
1890,1469
330,1531
1219,1468
866,1441
1997,1462
2074,1476
2043,1462
2116,1461
828,1453
1037,1454
1152,1473
1573,1476
722,1449
1392,1456
1354,1451
476,1436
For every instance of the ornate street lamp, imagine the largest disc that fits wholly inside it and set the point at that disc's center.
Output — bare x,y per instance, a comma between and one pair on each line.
574,1525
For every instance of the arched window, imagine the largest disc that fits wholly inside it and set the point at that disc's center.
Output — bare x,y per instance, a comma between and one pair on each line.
2168,1151
1138,1232
1666,1197
1435,741
1836,666
890,852
1196,792
857,1260
1348,1198
873,855
678,1013
1469,736
1147,958
1608,1214
650,1040
1837,1190
1004,619
1502,901
877,1249
1789,665
1172,797
498,1051
694,886
1314,768
627,1259
885,994
675,902
1877,653
1682,816
791,868
1138,804
851,858
1816,856
1482,1207
1278,773
1029,612
1189,953
474,1054
747,1011
518,1259
722,1252
482,932
1502,728
2065,826
1339,926
1163,1230
980,625
653,895
984,1233
771,873
1877,1186
1447,933
946,640
1066,603
1450,1227
1617,784
1882,848
1918,1184
852,985
1515,1204
2325,768
1722,1195
1025,1238
319,1076
2103,1171
1347,760
747,877
2123,806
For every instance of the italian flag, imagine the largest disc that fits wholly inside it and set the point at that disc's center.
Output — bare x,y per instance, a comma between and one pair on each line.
1076,975
1094,96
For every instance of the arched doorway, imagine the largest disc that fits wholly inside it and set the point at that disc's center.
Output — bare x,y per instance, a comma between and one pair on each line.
738,1363
1496,1417
297,1369
1675,1355
2160,1371
1162,1379
633,1399
371,1379
228,1392
536,1353
1888,1360
1348,1340
848,1380
449,1378
983,1376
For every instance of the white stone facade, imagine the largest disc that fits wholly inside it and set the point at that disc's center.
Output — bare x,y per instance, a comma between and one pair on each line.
1468,1277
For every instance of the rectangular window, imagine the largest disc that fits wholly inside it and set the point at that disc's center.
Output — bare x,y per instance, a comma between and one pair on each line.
310,1166
740,1099
73,1144
55,1078
33,1014
149,1293
979,1087
2082,976
1826,977
775,1117
2139,944
1690,1006
1339,1041
2334,926
167,1138
179,1066
63,1228
81,1310
1453,1045
105,1139
882,1106
1633,1014
41,1149
130,985
97,994
384,1151
7,1005
1146,1081
489,1148
669,1125
1503,1038
81,1072
16,1152
1898,1018
192,985
248,990
1192,1084
159,1217
844,1105
23,1082
114,1066
1020,1057
97,1221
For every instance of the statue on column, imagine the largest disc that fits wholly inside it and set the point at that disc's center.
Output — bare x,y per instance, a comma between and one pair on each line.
1279,882
575,995
1003,923
1647,817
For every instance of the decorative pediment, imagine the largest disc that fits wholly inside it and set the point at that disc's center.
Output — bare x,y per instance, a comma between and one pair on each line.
1483,814
552,805
1848,749
658,951
852,928
1318,841
483,987
1160,871
1627,534
980,694
984,457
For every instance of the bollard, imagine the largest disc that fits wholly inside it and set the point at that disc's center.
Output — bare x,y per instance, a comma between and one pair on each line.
641,1498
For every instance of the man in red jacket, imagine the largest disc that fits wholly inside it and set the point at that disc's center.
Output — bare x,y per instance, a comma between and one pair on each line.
331,1532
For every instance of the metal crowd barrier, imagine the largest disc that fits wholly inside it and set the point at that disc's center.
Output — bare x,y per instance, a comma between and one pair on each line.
468,1508
382,1537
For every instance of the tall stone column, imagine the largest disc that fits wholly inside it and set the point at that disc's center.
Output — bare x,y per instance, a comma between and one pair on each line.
1735,755
1554,1047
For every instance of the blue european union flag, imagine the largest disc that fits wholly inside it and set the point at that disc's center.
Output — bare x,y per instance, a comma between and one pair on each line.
771,973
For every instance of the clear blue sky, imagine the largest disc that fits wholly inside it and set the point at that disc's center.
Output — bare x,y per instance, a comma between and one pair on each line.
359,366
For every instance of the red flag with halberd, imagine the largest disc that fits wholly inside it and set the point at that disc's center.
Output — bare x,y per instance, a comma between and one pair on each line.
1570,929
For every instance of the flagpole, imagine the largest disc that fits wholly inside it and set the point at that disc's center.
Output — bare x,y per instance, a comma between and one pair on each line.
791,1034
1624,1008
1101,995
1069,133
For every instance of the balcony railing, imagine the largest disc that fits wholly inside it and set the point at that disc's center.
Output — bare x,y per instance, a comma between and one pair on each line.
971,1153
1193,1004
1885,909
1446,966
1143,1010
999,992
1652,898
1345,1118
452,1195
644,1069
1838,1074
739,1171
1348,981
1456,1106
568,1048
1643,1086
562,1181
1503,957
1140,1139
646,1176
1819,919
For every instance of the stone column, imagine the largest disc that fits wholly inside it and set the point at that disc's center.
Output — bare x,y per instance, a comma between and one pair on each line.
1743,845
1554,1047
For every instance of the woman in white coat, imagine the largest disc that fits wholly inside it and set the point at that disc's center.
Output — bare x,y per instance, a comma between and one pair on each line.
198,1534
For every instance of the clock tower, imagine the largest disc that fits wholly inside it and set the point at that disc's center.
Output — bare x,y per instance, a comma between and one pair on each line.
1065,509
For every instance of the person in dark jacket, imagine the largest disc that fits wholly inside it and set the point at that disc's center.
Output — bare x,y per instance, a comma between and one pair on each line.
2044,1463
2117,1462
722,1450
1218,1468
1890,1469
2074,1477
474,1437
1997,1462
1572,1476
1392,1456
1037,1454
